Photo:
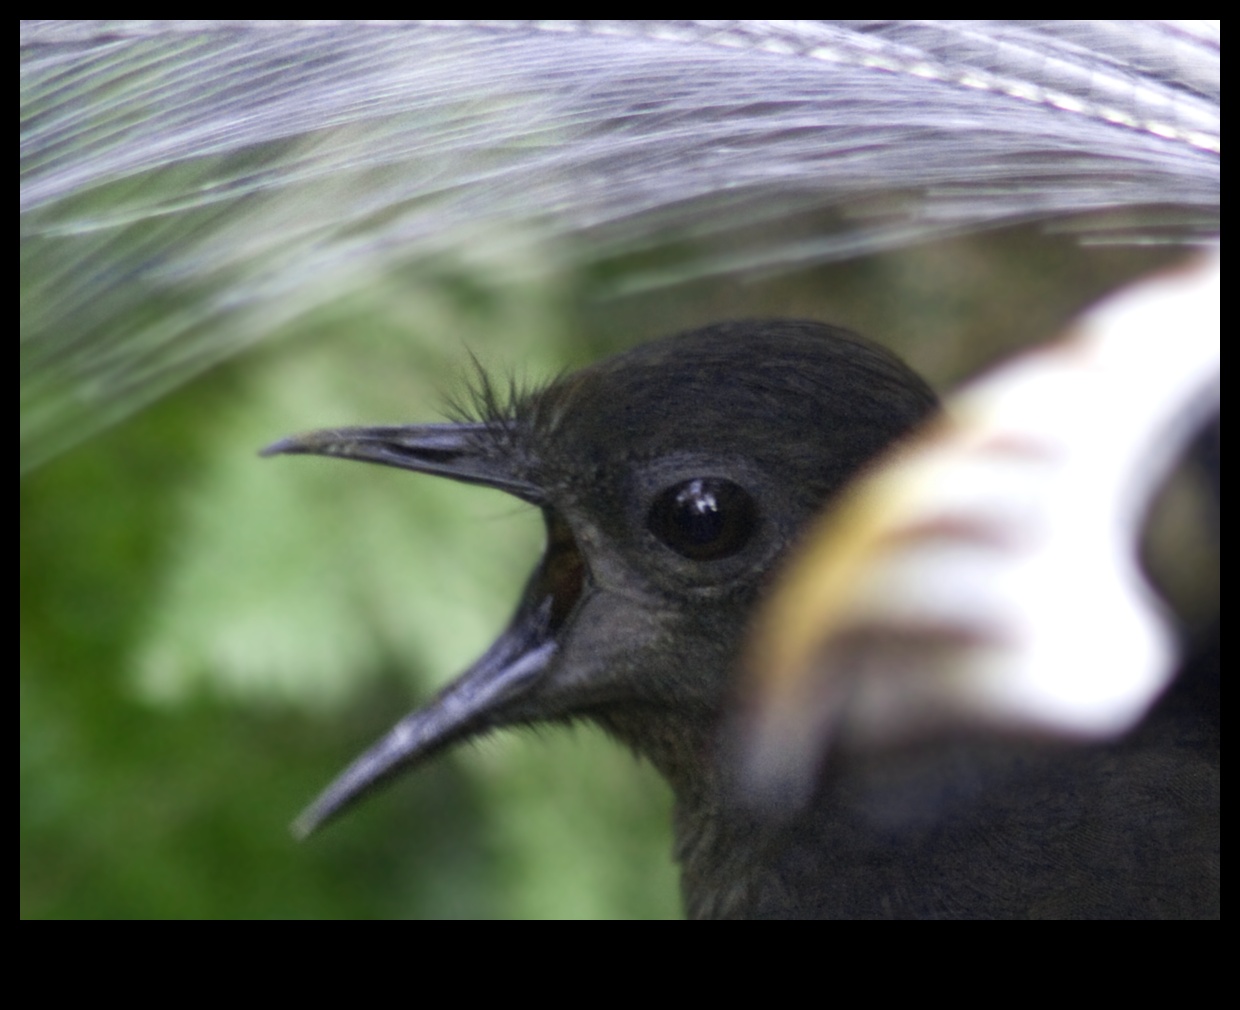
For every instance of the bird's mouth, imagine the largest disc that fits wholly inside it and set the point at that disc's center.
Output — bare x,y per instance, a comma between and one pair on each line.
495,690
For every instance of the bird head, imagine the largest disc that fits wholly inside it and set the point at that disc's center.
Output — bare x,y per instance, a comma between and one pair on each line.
672,479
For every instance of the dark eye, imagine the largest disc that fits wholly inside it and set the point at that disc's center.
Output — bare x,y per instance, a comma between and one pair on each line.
704,519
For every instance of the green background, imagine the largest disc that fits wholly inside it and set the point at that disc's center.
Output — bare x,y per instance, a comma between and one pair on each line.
207,637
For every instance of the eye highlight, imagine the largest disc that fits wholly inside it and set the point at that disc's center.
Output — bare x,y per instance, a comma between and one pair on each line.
704,518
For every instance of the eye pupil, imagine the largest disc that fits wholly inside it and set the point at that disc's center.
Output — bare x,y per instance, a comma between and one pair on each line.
704,519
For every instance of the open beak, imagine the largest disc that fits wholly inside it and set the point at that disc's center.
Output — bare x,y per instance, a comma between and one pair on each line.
458,451
496,690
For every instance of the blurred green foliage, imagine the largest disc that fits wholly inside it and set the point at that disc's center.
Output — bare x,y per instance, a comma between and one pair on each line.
207,637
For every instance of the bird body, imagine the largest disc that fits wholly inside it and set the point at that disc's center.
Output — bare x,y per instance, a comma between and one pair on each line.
674,478
973,828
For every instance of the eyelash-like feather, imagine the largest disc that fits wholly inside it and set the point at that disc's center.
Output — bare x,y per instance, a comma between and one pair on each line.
517,414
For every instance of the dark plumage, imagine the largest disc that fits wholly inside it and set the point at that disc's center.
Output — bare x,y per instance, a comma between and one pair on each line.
673,478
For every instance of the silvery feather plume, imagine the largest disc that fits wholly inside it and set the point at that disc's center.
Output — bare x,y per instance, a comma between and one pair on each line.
238,174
